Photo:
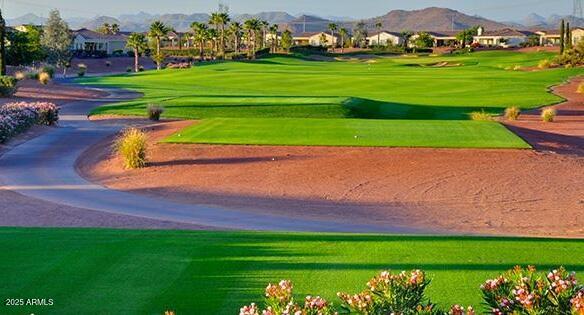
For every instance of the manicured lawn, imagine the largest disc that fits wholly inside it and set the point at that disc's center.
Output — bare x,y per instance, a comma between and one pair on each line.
391,88
147,272
350,132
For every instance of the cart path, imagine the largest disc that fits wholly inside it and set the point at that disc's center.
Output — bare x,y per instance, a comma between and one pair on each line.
44,169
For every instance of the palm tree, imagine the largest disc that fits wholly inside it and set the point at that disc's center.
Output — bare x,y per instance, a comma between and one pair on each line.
378,26
115,29
252,26
264,27
158,30
274,33
235,29
137,42
333,28
201,34
219,20
213,36
343,33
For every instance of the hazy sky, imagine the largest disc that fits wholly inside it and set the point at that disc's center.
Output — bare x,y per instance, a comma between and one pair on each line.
496,9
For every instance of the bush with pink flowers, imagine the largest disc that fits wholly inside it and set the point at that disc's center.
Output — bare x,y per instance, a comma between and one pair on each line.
525,291
17,117
516,292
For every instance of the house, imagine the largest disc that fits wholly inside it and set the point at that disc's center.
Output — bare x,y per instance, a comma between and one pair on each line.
506,37
548,37
441,39
577,35
315,39
90,42
385,38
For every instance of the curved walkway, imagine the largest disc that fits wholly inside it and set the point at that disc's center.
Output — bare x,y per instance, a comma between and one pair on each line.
44,169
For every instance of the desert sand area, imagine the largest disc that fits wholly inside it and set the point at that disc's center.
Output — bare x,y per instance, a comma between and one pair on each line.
536,192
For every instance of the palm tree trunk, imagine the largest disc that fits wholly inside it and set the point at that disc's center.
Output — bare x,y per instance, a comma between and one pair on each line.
333,41
136,60
157,53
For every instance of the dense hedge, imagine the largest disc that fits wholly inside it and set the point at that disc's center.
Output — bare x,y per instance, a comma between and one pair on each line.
18,117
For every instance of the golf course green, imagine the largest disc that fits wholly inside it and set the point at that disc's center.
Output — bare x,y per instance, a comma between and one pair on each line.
378,102
87,271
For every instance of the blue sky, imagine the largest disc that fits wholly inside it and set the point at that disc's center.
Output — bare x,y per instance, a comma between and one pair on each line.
496,9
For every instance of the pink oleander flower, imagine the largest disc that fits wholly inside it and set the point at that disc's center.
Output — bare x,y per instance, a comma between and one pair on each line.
494,284
251,309
460,310
315,303
578,303
282,292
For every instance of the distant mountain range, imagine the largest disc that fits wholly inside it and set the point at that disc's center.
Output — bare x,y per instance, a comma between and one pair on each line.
429,19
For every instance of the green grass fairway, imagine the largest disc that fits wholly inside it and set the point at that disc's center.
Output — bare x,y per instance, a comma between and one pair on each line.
147,272
350,132
402,88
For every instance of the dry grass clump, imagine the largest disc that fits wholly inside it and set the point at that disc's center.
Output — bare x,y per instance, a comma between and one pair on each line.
44,78
20,75
512,113
481,116
131,147
154,112
544,64
548,115
580,88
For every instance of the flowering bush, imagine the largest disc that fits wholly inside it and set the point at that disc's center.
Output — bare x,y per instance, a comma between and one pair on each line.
548,115
512,113
17,117
389,293
44,78
7,86
525,291
279,300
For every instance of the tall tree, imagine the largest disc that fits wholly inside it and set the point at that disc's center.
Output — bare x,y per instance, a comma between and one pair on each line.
287,40
219,20
568,36
158,31
115,29
344,33
264,26
274,35
2,45
56,41
360,34
201,34
406,36
235,29
138,43
378,27
252,27
562,36
333,28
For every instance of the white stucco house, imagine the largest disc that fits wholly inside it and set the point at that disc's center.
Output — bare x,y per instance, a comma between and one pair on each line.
385,38
315,39
506,37
89,41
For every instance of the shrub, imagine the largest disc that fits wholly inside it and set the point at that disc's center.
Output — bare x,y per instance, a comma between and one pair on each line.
32,75
544,64
141,68
390,293
44,78
129,69
512,113
279,300
48,70
154,112
20,75
516,68
131,146
481,116
7,86
580,88
17,117
525,291
81,70
108,63
548,114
